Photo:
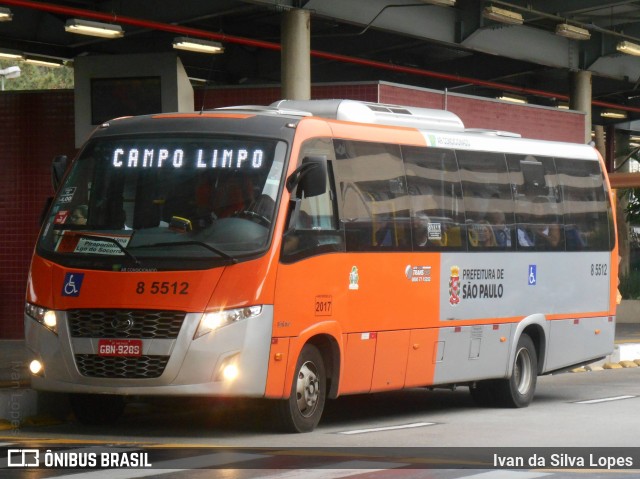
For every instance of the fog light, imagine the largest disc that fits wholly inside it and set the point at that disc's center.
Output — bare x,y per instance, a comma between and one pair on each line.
230,372
35,367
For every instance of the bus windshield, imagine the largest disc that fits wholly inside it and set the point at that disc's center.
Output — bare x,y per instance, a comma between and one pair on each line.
160,202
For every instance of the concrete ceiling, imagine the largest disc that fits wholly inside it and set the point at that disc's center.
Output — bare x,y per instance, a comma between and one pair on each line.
409,42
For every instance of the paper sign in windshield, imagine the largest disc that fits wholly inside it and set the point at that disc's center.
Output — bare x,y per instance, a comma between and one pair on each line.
72,242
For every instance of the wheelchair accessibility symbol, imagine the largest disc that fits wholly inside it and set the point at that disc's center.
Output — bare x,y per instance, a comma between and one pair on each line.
532,275
72,284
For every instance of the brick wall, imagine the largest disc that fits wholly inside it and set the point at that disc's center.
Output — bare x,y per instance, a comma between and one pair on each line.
529,121
36,126
218,97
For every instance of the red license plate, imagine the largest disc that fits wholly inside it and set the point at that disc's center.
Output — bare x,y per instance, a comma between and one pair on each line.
120,347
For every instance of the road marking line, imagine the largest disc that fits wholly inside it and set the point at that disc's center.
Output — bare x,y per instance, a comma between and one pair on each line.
596,401
389,428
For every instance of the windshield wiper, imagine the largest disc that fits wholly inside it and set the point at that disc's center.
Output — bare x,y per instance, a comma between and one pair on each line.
126,252
213,249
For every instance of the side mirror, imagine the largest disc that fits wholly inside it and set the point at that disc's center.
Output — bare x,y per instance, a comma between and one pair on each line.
58,168
310,177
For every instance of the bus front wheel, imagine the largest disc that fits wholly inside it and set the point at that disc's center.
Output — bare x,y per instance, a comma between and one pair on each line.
302,410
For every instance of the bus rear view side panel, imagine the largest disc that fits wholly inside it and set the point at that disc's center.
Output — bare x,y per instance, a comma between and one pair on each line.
495,285
469,353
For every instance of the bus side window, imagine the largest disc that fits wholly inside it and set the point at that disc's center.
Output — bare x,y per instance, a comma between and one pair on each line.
437,211
372,196
316,226
587,212
538,199
488,200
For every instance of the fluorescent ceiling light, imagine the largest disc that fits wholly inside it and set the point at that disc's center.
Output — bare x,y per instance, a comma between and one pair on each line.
11,55
512,98
503,16
615,114
442,3
563,106
628,48
197,45
5,14
44,62
573,32
93,29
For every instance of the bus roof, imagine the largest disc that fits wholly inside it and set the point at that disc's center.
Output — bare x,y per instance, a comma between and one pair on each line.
377,113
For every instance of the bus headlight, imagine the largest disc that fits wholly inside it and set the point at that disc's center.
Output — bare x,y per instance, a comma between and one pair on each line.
46,317
219,319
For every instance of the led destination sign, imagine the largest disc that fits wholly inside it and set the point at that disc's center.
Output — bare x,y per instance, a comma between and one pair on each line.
211,158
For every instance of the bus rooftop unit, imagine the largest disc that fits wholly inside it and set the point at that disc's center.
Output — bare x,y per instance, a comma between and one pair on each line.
309,250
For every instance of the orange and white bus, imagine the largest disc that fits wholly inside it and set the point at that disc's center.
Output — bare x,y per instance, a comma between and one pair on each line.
310,250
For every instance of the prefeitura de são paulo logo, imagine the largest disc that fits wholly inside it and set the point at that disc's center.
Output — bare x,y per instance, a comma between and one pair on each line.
454,286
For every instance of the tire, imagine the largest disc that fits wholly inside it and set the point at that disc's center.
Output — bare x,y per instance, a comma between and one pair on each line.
301,412
518,390
95,409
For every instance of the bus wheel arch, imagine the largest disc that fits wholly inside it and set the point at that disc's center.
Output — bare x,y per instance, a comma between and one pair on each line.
538,336
330,351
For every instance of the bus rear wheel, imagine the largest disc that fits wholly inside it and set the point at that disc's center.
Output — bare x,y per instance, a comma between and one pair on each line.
301,412
96,409
516,391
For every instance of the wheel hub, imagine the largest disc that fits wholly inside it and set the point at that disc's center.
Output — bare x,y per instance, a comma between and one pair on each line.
307,388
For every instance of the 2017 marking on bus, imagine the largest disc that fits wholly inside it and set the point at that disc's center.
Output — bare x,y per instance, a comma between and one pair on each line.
323,305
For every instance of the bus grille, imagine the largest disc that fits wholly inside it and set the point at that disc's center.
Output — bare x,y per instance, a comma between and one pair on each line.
120,323
142,367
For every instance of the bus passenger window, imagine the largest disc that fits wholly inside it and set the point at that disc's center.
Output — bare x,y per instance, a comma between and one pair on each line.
372,196
487,199
437,212
587,211
539,213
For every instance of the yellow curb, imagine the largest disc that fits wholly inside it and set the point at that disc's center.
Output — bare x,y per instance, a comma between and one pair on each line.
637,361
41,421
612,366
6,425
594,368
579,370
628,364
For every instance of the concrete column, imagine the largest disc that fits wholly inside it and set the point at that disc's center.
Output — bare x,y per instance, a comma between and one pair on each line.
295,55
581,98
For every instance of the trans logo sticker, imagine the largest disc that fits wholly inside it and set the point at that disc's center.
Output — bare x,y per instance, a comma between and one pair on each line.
72,284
